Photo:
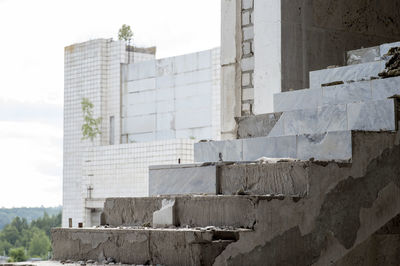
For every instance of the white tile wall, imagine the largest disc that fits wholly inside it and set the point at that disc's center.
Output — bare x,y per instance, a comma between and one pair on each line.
152,107
185,96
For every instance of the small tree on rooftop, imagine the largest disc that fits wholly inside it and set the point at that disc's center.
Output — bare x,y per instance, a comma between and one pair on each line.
90,128
125,33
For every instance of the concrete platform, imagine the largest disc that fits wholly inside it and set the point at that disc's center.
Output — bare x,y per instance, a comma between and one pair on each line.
142,246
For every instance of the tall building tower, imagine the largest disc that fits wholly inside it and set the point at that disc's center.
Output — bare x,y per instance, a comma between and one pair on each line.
152,112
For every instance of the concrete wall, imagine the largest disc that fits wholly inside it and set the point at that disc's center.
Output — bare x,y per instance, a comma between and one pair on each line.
313,34
175,97
270,46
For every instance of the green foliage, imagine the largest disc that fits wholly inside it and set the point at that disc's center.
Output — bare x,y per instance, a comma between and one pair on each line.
4,247
47,222
125,33
39,245
17,254
90,128
34,237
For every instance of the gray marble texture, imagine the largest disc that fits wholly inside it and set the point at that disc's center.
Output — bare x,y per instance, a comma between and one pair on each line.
319,146
371,115
230,150
185,179
295,100
326,146
347,93
347,73
374,116
364,55
279,147
384,88
362,91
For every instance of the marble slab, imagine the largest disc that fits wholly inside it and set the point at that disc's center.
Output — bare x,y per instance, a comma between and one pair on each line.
364,55
384,88
214,151
185,179
347,93
374,116
295,100
280,147
347,73
326,146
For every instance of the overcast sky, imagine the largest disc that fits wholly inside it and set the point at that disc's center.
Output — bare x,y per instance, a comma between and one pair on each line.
33,37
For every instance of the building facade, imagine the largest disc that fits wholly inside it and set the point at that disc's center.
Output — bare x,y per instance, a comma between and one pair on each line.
152,112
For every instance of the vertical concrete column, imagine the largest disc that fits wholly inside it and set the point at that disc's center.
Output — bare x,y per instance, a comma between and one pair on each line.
231,42
267,51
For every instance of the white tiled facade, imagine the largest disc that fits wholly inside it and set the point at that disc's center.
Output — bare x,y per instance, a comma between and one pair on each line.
116,163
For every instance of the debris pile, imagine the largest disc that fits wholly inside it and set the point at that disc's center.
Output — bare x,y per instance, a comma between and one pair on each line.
393,64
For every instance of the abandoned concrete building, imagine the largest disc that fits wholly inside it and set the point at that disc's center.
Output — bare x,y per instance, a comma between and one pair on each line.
305,167
152,112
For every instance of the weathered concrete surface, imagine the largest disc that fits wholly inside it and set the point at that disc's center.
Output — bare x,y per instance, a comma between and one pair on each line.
189,210
344,207
377,250
256,126
140,246
285,178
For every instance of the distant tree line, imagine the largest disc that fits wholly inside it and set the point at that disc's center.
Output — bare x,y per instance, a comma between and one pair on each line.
21,240
7,215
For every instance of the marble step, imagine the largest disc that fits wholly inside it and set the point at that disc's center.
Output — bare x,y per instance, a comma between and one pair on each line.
326,146
370,54
369,116
362,91
238,211
254,178
142,246
358,72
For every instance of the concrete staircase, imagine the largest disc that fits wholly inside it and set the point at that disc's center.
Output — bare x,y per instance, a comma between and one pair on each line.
332,194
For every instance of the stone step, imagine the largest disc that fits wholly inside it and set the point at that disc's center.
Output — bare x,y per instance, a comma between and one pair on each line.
362,91
326,146
370,54
369,116
257,178
345,205
142,246
188,210
358,72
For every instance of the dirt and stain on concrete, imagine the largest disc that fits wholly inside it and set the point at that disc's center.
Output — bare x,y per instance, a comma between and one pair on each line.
338,218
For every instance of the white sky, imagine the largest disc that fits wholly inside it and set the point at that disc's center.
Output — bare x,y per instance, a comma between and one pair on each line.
33,37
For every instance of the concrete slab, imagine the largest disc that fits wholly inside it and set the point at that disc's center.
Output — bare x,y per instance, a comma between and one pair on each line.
182,179
215,151
141,246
